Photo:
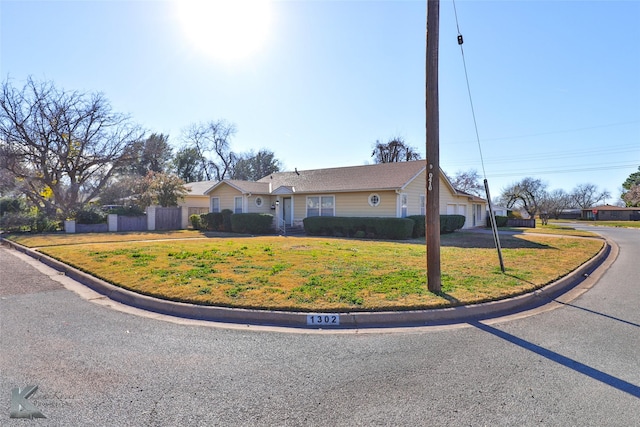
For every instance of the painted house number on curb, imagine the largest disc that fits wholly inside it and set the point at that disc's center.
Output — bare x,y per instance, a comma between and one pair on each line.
323,319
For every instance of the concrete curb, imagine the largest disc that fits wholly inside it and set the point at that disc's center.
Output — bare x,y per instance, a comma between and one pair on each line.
352,320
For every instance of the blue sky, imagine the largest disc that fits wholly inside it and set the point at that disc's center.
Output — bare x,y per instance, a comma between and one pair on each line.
555,84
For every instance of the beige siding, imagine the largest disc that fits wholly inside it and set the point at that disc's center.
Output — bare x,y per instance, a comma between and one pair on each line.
299,208
447,198
414,191
264,208
195,201
357,204
226,194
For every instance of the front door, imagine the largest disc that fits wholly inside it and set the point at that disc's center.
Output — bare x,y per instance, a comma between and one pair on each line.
287,213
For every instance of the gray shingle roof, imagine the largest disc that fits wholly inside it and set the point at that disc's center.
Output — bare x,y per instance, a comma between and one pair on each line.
199,188
383,176
249,186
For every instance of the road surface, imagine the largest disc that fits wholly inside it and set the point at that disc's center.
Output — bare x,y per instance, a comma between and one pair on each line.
95,365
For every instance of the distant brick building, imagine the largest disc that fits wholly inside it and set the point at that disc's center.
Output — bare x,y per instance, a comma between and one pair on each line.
611,213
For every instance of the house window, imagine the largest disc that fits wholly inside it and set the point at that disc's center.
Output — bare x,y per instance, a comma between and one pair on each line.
215,204
374,200
320,206
237,205
258,201
423,205
403,207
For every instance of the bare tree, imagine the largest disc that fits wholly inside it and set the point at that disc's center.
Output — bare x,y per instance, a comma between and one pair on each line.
587,195
553,203
61,146
526,194
468,182
211,142
396,150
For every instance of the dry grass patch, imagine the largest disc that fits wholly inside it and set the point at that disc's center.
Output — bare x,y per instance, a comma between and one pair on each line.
328,274
57,239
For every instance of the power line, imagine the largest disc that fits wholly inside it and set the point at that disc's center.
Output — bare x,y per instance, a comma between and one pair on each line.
494,226
555,132
549,155
546,171
466,76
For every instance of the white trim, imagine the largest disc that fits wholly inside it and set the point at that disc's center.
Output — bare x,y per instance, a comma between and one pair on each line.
235,204
404,205
377,201
320,196
211,200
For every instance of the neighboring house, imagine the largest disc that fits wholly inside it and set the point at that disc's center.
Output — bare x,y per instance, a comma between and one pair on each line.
379,190
500,211
197,200
570,214
611,213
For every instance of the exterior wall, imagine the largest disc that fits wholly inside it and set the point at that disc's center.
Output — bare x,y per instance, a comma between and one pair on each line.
195,205
227,195
350,204
632,214
416,191
299,208
354,204
195,201
461,205
357,204
251,207
447,200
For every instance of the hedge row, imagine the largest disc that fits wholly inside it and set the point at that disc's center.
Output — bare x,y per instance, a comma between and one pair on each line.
251,223
371,227
227,221
383,228
448,224
213,221
451,223
501,221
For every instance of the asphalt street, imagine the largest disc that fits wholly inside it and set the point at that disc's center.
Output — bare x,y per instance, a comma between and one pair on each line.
98,364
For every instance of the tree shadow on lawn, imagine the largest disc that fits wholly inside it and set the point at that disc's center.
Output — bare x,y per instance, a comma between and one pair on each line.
485,241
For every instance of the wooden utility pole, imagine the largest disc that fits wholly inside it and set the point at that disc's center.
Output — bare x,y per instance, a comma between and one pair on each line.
433,149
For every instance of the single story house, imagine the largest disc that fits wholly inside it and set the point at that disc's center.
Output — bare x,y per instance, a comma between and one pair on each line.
378,190
570,214
197,201
500,211
611,213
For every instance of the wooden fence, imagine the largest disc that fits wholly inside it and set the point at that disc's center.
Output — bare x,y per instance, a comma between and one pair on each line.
132,223
168,218
516,222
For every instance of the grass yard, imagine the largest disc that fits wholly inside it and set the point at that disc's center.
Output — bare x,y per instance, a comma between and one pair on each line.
291,273
58,239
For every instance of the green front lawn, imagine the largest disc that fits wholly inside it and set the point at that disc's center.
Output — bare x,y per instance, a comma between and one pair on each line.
273,272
